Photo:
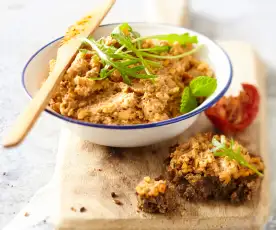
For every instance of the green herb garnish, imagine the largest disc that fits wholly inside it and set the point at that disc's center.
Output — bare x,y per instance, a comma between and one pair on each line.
182,39
156,49
131,49
122,66
172,57
203,86
122,34
188,101
133,61
221,149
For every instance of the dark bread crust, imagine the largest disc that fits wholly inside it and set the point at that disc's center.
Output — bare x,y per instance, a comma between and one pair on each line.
211,188
157,204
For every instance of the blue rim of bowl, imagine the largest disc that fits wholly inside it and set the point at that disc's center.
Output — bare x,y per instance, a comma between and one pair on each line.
138,126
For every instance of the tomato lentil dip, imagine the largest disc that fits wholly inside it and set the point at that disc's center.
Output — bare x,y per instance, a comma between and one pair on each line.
111,81
151,195
199,174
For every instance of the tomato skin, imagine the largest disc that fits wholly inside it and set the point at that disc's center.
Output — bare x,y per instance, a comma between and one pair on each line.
218,117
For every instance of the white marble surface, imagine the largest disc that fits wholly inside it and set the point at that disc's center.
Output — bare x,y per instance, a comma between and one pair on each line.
26,25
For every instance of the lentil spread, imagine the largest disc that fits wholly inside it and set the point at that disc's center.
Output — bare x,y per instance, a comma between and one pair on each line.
111,100
149,187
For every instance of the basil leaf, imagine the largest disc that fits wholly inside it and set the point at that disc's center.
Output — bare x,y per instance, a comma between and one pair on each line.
188,101
203,86
183,39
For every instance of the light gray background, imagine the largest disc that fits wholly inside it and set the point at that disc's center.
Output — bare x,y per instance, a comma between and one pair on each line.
26,25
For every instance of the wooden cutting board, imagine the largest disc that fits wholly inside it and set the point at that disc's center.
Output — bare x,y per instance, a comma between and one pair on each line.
89,173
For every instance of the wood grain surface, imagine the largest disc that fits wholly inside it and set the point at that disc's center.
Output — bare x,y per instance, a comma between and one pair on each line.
89,173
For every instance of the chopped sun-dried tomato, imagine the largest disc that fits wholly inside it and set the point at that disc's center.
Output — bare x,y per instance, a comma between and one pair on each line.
234,114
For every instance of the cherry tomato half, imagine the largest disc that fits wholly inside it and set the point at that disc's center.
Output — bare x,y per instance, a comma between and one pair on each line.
234,114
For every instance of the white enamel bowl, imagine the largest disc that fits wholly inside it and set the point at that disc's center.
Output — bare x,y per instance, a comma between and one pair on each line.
36,70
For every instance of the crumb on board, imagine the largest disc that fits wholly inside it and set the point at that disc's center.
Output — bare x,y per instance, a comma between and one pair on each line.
83,209
113,195
4,173
26,214
73,209
98,169
118,202
160,177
